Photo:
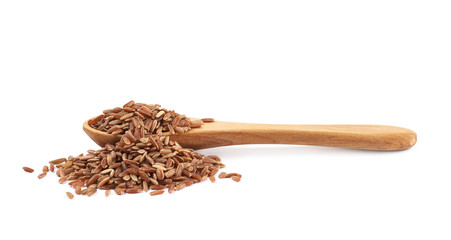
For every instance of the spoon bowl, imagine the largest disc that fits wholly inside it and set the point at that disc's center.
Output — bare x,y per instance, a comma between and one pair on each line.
219,133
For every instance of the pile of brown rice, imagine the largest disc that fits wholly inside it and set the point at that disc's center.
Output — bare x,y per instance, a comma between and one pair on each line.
138,162
148,118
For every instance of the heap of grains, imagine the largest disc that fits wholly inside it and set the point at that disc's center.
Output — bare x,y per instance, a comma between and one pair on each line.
134,165
139,161
140,117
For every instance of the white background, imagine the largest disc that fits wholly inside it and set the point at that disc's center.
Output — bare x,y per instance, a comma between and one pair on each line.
292,62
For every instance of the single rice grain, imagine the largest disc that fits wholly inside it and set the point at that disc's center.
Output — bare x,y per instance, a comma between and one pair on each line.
58,161
157,187
208,120
40,176
236,178
212,179
62,180
91,192
156,192
70,195
28,170
229,175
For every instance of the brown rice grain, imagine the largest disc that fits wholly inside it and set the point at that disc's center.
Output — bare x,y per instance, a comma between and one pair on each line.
170,173
134,177
91,192
129,104
236,178
78,190
208,120
70,195
62,180
157,187
153,181
179,130
28,170
40,176
103,182
160,174
180,186
58,161
119,191
159,114
179,170
156,192
84,191
213,172
126,116
212,179
145,186
171,188
133,190
229,175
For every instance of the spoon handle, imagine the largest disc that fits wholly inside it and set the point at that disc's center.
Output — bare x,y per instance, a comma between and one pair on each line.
369,137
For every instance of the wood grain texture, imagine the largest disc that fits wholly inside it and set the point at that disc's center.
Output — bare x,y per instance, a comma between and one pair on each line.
218,133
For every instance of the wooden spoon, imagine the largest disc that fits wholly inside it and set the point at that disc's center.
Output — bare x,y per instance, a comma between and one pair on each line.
217,134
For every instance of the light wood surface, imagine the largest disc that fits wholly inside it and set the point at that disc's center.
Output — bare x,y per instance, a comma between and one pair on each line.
217,134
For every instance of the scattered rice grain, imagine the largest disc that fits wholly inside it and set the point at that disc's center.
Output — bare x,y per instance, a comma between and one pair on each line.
28,170
208,120
156,192
70,195
236,178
